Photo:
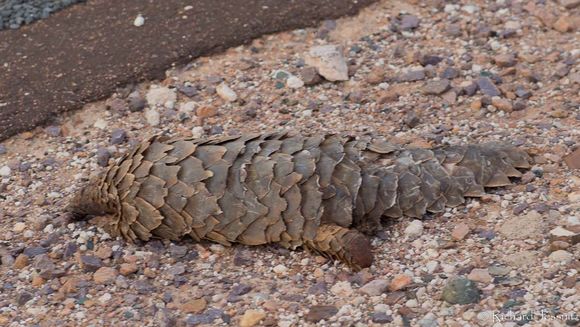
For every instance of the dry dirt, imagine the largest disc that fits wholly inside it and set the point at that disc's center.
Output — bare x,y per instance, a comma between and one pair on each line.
518,245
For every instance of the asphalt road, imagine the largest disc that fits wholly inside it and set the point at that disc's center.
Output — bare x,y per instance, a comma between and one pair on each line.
83,53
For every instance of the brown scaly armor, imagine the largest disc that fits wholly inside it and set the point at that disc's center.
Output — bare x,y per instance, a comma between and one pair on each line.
323,192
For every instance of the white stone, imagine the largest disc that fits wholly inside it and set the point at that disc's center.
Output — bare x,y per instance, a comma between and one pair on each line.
375,287
152,116
226,93
381,307
161,96
412,303
100,124
486,318
429,320
342,289
450,8
5,171
217,248
480,275
414,229
561,232
139,20
329,62
294,82
187,107
561,256
105,298
197,132
470,9
19,227
512,25
432,266
280,269
574,197
48,229
572,221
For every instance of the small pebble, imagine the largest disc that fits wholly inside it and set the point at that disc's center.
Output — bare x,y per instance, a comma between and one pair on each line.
139,21
226,93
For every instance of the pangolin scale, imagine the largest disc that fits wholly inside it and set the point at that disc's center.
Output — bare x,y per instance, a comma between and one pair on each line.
323,192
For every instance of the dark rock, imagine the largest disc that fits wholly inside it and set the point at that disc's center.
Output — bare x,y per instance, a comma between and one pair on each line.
318,288
432,60
356,49
541,208
521,92
412,120
136,102
520,208
320,312
507,33
90,263
251,113
327,108
69,250
206,317
6,260
214,79
53,131
409,22
33,251
144,287
178,251
461,291
562,70
530,188
188,89
505,60
381,318
487,234
310,76
24,166
45,266
118,136
519,105
450,73
216,130
292,297
2,149
23,297
241,289
118,105
470,89
453,30
487,87
412,75
242,258
486,100
436,87
103,156
177,269
527,177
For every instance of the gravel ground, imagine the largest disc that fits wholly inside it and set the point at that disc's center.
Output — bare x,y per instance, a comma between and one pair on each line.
15,13
422,74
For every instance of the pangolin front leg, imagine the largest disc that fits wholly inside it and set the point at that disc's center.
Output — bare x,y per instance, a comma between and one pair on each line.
317,191
347,245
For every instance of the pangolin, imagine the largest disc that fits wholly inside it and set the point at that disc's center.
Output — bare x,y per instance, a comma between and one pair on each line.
323,192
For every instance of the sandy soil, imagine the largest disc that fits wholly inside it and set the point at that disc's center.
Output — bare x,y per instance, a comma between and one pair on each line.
418,74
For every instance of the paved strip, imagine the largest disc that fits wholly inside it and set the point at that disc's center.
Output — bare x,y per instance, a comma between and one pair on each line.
15,13
81,54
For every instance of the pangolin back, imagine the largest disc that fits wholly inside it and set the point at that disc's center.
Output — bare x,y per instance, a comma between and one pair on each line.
318,191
